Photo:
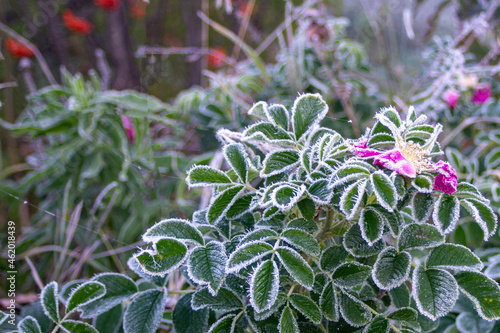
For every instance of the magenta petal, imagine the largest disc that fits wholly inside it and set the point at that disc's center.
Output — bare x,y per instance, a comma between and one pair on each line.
451,97
446,181
129,129
360,149
393,160
481,93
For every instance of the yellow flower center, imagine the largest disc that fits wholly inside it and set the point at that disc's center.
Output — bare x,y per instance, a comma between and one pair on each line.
415,155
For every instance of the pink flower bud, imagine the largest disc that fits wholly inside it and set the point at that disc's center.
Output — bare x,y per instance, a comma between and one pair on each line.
129,129
481,93
451,97
446,181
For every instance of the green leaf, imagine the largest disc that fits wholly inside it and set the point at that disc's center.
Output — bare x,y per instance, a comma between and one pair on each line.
288,323
29,325
167,256
73,326
350,274
179,229
307,307
384,190
353,310
296,266
237,158
332,257
301,240
423,183
119,288
320,192
267,132
280,301
84,294
186,319
307,208
421,207
3,317
492,159
278,116
349,173
393,220
453,256
391,268
50,302
469,191
483,215
371,224
138,104
222,203
470,323
400,296
482,291
259,235
419,236
329,303
247,255
241,206
446,213
308,110
378,325
285,197
406,316
356,245
207,265
110,321
143,315
279,161
352,197
259,110
205,176
223,325
303,224
435,291
225,300
264,286
399,184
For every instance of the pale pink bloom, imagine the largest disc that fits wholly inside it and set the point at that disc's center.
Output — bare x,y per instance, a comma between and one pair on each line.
446,181
129,129
481,93
451,97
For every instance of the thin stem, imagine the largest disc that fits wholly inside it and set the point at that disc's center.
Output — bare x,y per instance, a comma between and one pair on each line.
326,225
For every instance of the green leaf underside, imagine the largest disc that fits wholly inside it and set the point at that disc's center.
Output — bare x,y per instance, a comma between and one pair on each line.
264,286
110,321
435,292
391,268
144,313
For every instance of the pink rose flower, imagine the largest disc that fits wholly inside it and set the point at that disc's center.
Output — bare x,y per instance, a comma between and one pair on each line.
451,97
481,93
446,181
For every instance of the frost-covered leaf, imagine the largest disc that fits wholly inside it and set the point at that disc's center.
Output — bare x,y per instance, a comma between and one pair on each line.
453,256
259,235
393,220
353,310
470,323
285,197
492,159
143,315
204,176
482,291
301,240
378,325
288,323
179,229
29,325
303,224
186,319
241,206
435,291
296,266
306,306
247,255
384,190
307,112
279,116
332,257
259,110
237,158
400,296
419,236
307,208
73,326
352,197
406,316
264,286
349,173
469,191
350,274
329,303
265,131
371,223
109,321
391,268
50,302
399,184
223,325
168,255
356,245
483,215
222,203
446,213
225,300
118,289
84,294
136,267
423,183
280,301
207,265
421,206
320,192
279,161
